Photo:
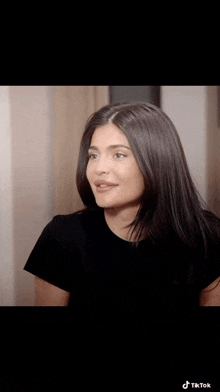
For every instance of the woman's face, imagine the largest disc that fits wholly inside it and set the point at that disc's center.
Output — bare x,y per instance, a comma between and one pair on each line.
112,171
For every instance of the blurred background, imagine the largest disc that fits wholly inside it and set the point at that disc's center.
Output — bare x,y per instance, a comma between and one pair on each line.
40,132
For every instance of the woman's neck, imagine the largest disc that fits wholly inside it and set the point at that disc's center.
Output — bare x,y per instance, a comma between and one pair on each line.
118,220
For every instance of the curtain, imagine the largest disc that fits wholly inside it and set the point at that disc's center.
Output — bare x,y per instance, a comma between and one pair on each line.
72,105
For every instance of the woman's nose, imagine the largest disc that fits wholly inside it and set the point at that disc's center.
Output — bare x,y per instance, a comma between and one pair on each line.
102,166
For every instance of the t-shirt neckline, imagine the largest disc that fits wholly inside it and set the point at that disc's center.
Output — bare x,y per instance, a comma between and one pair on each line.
119,239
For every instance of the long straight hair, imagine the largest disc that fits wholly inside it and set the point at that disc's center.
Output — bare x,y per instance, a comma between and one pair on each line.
170,201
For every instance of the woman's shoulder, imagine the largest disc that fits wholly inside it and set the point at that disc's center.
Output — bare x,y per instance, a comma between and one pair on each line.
81,217
75,226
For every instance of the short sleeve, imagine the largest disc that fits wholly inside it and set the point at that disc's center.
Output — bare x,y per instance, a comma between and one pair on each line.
51,261
207,270
211,271
211,263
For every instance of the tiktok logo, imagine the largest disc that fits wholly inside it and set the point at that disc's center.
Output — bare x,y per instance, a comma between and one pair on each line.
195,385
185,386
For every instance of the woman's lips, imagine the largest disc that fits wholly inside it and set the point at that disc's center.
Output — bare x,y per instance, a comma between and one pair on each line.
104,186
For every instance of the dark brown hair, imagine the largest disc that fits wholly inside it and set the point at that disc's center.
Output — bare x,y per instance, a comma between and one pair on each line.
170,202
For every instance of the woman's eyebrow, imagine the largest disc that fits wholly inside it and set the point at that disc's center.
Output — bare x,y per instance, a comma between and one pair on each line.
110,147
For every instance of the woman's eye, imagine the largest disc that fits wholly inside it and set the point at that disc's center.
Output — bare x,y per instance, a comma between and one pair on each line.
119,155
92,156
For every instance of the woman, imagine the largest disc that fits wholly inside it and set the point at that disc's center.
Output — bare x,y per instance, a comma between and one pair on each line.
143,240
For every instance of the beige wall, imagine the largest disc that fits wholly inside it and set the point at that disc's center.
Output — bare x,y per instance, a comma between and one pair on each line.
193,110
32,184
213,148
7,272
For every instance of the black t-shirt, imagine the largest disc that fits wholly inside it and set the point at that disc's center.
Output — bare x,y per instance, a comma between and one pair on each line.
108,277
